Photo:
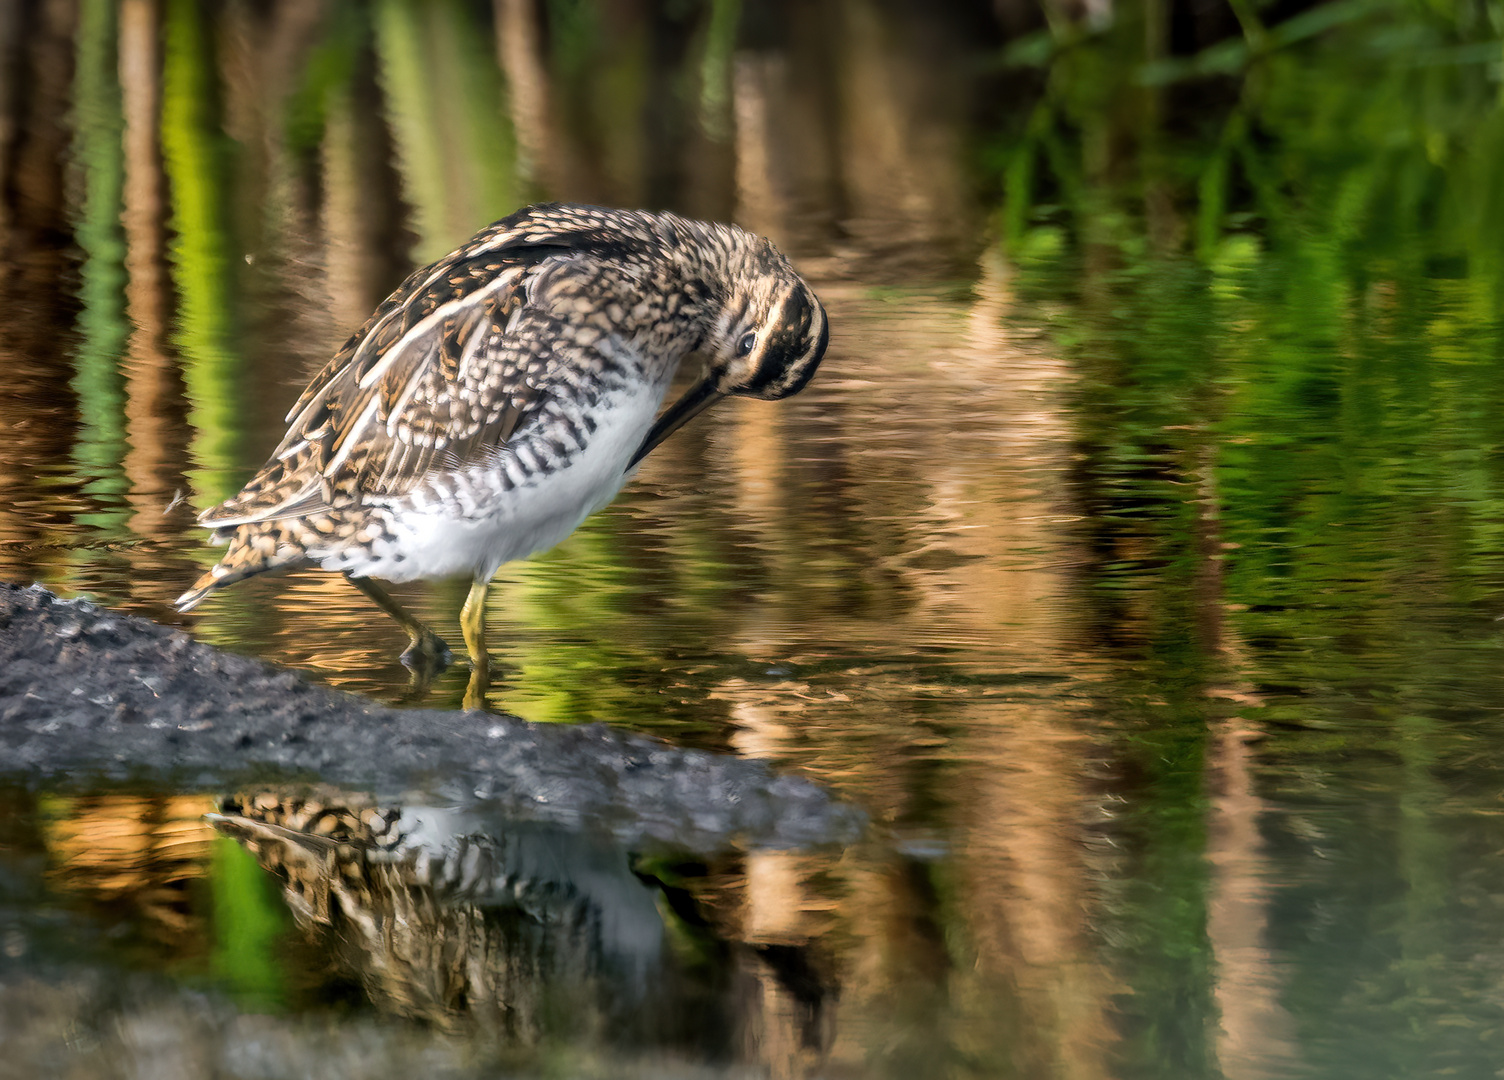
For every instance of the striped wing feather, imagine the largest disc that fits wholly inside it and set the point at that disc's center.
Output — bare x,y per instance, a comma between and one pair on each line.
439,372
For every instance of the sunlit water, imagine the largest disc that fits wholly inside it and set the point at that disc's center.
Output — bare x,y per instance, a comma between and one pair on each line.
1146,603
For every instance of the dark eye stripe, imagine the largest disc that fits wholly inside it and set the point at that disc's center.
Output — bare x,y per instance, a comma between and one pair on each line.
811,360
782,339
793,325
784,347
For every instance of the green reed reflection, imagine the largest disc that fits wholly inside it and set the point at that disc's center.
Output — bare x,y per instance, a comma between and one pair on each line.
447,109
250,921
195,151
587,584
325,77
716,67
98,128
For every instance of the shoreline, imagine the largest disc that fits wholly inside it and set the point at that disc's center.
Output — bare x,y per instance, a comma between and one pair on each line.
95,696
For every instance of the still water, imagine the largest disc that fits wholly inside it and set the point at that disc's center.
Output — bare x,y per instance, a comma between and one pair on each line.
1135,560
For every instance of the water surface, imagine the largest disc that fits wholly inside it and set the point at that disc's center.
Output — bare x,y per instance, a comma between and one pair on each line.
1134,560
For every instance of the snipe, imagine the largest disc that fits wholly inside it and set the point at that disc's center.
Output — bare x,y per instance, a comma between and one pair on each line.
504,393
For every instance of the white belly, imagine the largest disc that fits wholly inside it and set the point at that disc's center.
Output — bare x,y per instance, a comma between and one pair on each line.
449,539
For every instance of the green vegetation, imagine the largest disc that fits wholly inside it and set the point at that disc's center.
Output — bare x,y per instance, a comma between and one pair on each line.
1287,312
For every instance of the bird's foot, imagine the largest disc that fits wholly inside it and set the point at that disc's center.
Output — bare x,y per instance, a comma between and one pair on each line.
427,655
480,682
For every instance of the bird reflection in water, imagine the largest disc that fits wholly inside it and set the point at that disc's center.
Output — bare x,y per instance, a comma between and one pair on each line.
523,930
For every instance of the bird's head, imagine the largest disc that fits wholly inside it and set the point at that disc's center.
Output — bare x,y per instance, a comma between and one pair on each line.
767,341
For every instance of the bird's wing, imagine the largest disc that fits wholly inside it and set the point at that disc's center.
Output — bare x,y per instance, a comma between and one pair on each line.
451,363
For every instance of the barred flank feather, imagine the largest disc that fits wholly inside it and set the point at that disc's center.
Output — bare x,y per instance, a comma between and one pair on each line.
546,341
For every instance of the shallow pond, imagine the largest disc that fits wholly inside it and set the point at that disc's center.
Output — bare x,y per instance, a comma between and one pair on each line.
1134,561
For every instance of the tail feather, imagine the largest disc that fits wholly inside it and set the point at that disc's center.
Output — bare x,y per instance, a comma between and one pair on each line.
253,550
200,591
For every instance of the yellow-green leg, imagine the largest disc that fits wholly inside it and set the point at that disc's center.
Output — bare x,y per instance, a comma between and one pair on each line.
473,626
426,655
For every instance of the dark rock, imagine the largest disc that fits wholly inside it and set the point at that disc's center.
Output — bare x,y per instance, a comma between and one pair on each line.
87,693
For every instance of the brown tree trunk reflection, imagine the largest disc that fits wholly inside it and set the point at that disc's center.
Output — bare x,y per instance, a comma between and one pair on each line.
900,140
1255,1037
365,252
155,456
547,157
36,402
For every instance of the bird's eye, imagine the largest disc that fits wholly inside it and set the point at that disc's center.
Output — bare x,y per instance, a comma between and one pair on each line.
746,344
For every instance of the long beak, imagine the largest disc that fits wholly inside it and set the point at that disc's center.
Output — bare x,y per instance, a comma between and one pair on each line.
699,397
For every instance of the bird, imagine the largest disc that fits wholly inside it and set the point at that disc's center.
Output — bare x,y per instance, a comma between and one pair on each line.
504,393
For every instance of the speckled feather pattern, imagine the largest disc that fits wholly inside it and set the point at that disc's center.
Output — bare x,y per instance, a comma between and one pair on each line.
553,331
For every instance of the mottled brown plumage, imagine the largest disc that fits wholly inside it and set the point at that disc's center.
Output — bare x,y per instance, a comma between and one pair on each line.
504,392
